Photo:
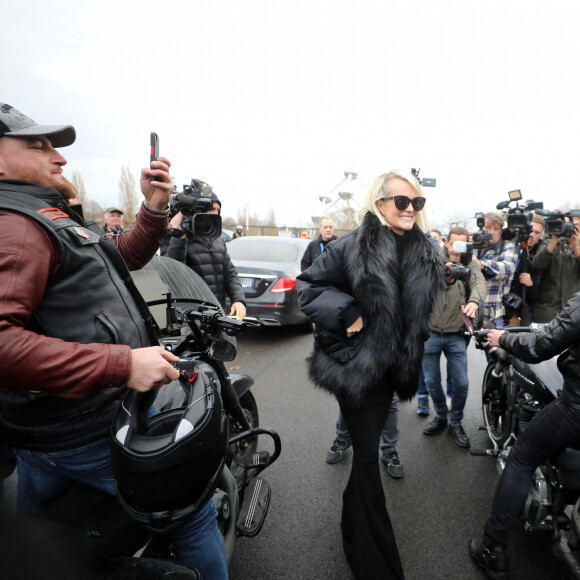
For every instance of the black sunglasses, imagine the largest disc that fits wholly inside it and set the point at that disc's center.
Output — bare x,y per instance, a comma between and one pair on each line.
402,202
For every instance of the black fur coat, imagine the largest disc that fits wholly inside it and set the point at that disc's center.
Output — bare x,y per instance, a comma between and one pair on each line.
360,274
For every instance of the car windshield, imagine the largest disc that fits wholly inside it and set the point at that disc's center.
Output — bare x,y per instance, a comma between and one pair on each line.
263,251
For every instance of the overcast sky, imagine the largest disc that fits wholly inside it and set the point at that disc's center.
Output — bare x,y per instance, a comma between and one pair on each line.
271,101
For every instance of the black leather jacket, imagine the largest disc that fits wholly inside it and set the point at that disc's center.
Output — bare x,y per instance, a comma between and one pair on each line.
560,336
86,301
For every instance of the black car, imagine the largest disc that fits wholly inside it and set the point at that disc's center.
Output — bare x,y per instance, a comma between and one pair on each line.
267,267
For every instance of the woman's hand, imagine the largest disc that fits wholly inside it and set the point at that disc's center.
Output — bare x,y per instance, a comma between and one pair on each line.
355,327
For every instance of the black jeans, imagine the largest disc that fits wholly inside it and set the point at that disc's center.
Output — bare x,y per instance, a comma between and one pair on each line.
555,426
368,536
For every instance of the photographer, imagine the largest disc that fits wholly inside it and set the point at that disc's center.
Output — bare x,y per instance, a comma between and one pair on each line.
207,256
526,283
446,337
558,261
554,427
498,262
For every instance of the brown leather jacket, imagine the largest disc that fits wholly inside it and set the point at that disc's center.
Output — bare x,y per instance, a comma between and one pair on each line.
28,257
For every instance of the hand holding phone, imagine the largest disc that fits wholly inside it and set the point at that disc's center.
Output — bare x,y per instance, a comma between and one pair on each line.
154,153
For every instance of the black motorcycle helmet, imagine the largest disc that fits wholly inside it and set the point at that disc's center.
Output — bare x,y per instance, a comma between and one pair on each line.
167,458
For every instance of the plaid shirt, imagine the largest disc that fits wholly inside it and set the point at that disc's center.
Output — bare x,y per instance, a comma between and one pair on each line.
501,267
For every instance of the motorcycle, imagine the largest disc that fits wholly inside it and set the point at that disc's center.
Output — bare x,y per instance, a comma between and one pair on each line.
89,528
513,393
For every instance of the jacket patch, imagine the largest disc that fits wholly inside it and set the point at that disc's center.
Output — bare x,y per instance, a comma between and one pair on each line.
52,213
81,233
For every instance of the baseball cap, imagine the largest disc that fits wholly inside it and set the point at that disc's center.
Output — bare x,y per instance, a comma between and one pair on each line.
14,124
112,209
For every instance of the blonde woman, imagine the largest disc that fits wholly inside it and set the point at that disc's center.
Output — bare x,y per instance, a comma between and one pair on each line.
370,295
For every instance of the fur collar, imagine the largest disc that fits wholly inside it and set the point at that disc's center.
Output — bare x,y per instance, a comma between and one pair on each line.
396,298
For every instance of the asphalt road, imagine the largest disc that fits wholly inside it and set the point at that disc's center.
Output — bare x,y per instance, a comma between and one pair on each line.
442,501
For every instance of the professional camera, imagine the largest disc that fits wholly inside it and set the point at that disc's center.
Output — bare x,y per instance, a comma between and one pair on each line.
480,239
555,224
519,219
194,202
465,250
457,272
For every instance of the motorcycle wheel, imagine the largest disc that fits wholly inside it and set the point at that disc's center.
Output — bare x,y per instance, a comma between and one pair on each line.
239,451
494,407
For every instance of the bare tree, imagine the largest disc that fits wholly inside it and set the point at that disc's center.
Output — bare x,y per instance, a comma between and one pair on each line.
253,220
345,219
270,226
94,210
128,196
229,223
91,208
81,190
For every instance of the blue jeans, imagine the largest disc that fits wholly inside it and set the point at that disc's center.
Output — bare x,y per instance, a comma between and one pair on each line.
389,434
422,391
454,347
43,476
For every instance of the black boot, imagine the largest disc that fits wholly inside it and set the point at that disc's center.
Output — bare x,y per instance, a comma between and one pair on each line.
459,435
435,426
493,558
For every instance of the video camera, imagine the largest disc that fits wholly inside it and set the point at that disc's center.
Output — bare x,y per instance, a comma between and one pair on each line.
424,181
194,202
555,224
519,220
520,217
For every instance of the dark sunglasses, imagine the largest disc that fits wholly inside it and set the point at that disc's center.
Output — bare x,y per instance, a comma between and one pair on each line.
402,202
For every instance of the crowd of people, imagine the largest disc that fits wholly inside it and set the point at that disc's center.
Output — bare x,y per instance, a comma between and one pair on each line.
61,274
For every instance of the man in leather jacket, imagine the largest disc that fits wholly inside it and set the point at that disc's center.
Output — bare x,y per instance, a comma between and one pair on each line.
75,334
555,426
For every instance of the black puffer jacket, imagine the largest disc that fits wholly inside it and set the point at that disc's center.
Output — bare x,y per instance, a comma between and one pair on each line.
561,335
360,274
209,258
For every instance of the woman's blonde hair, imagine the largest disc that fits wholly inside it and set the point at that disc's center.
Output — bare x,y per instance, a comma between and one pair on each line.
380,189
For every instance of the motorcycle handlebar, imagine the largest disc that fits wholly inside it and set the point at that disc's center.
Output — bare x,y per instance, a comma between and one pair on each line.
213,319
482,334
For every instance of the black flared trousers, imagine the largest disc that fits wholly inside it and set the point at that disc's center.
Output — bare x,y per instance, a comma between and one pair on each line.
367,534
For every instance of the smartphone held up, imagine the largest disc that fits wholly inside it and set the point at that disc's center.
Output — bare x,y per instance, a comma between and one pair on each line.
154,153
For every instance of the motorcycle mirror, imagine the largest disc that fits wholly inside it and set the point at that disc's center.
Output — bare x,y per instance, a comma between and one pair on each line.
222,350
